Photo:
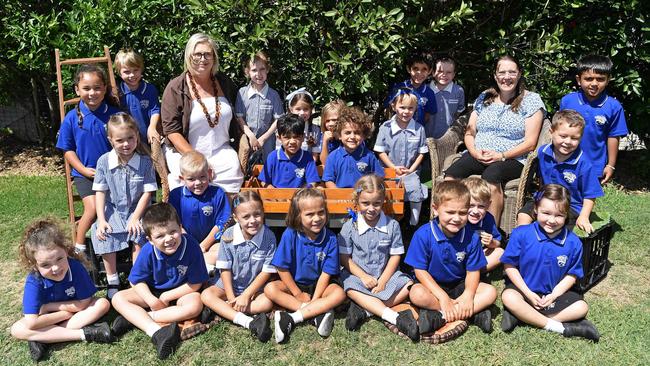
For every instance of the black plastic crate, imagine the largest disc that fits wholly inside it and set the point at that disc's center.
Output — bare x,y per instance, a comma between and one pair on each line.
595,251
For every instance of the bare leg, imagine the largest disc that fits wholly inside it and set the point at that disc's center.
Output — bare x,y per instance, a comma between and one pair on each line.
496,206
214,297
87,218
110,264
485,296
135,252
95,310
187,307
375,305
493,256
132,307
421,297
278,292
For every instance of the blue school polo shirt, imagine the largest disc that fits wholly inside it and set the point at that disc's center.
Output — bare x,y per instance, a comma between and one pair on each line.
543,262
604,117
344,168
284,172
446,259
450,102
76,285
426,99
141,103
307,259
200,213
575,173
166,272
402,145
487,224
89,142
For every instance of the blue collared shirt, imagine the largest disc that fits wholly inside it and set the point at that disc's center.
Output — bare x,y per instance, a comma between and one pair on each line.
450,102
258,109
543,262
199,214
426,99
344,169
403,145
142,104
284,172
487,224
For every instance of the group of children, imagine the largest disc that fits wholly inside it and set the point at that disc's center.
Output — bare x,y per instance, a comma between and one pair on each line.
205,253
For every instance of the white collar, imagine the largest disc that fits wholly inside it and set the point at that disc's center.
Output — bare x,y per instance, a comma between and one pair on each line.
447,88
382,224
114,162
395,128
238,236
252,91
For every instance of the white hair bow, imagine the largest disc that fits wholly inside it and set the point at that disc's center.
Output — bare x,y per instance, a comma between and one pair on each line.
302,90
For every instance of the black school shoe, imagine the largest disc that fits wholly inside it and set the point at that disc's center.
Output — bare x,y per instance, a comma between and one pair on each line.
407,324
37,350
207,315
98,332
284,325
121,326
354,317
483,320
166,339
430,321
583,328
324,323
260,327
509,322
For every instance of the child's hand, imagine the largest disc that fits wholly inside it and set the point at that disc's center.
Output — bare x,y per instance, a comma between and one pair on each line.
134,227
401,170
303,297
103,229
547,300
486,239
327,135
241,303
465,306
608,173
369,281
381,285
584,224
88,172
252,140
205,246
534,299
448,309
152,135
156,303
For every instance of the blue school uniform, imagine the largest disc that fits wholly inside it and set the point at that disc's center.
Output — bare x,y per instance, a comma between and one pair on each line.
89,142
426,99
166,272
76,285
200,213
371,248
543,262
402,145
259,109
142,104
344,168
575,173
306,259
123,186
284,172
604,118
450,102
446,259
487,224
245,259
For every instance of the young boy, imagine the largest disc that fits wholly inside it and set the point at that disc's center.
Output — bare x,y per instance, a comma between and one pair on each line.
418,65
604,116
258,106
447,259
203,209
563,162
289,166
346,164
165,279
481,221
450,97
137,96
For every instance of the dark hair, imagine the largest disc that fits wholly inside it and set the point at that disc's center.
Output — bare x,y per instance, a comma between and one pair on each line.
354,116
596,63
447,60
108,97
246,196
556,193
418,56
159,214
293,216
492,93
291,125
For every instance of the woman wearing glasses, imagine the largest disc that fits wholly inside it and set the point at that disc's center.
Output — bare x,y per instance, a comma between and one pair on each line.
197,111
502,130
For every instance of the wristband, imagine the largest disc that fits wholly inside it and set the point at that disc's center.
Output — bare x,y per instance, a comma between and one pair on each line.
607,165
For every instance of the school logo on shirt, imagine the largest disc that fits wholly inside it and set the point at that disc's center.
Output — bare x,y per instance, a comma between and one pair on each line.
181,270
300,172
460,256
423,101
207,210
361,166
70,291
320,256
144,104
561,260
569,177
601,120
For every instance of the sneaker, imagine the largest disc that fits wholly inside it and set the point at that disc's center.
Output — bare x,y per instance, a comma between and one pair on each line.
207,315
325,323
354,317
37,350
430,321
120,326
98,332
583,328
166,339
407,324
284,325
483,320
509,321
260,327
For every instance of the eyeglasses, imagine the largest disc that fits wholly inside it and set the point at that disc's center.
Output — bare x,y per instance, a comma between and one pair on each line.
202,55
504,73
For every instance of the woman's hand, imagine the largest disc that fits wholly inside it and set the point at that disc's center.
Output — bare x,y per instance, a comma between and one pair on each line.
489,156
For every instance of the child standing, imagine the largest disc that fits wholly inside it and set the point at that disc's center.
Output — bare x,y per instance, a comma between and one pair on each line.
124,184
542,262
447,258
137,96
563,162
329,116
165,279
401,144
450,97
58,302
353,159
203,208
307,259
289,166
604,116
370,254
83,139
258,105
244,260
301,103
481,221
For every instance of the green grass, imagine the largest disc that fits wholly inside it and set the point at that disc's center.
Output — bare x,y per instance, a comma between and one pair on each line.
620,307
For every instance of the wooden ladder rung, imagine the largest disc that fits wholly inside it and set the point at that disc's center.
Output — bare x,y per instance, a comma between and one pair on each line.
87,60
71,101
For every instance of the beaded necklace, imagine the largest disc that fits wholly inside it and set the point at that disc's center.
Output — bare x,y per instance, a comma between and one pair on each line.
217,114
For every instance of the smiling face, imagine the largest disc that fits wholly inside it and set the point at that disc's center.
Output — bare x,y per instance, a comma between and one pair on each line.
330,119
131,76
257,72
250,217
197,182
351,137
550,217
370,204
444,74
419,73
124,140
477,210
51,263
452,216
166,238
91,89
302,109
593,84
312,216
202,58
404,110
565,140
507,76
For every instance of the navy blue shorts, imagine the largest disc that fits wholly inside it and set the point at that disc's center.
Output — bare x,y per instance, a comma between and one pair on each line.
84,186
562,302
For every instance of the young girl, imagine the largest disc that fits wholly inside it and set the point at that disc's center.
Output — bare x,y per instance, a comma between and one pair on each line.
306,260
83,139
401,144
301,103
353,159
328,118
542,262
370,254
244,259
58,302
124,183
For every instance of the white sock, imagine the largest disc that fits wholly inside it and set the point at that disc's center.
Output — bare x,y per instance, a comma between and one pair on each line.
441,313
243,320
389,315
368,314
554,326
297,317
113,279
151,329
416,207
83,336
78,248
210,267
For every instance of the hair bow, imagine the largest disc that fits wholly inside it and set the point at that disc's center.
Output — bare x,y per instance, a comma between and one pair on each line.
401,91
302,90
537,196
352,214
